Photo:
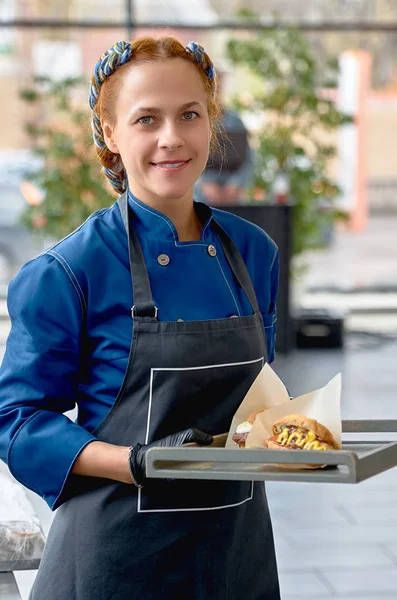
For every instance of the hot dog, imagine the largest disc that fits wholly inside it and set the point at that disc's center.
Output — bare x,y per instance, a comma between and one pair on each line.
242,431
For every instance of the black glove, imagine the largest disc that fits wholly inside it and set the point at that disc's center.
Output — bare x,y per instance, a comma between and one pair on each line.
138,452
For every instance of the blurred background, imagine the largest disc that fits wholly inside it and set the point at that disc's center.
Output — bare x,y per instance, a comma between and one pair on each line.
309,91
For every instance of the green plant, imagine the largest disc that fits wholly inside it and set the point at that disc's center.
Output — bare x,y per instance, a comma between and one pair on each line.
285,90
69,179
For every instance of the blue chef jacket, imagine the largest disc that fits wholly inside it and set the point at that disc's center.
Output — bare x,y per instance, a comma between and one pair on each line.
70,311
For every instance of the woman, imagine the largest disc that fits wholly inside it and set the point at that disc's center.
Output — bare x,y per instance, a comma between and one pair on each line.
175,372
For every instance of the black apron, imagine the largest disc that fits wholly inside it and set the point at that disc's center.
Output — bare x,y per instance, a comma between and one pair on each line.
193,540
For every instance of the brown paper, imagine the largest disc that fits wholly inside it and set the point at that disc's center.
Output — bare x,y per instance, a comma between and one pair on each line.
269,392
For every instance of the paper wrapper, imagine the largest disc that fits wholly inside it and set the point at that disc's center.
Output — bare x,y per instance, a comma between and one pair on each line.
269,392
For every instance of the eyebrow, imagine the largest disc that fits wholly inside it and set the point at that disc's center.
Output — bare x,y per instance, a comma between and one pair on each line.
154,109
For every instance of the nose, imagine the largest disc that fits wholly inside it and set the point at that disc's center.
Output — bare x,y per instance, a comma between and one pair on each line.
170,138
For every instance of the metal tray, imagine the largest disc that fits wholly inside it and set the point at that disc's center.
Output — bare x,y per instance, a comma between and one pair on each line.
356,461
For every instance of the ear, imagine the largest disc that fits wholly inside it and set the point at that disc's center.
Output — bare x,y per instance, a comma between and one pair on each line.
109,138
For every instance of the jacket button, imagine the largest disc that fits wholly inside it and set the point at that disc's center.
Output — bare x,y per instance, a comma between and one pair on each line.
163,260
211,250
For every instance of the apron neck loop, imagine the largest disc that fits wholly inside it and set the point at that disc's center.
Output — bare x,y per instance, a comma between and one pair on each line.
143,300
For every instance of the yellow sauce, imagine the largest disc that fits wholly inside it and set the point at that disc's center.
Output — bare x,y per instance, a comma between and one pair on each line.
300,437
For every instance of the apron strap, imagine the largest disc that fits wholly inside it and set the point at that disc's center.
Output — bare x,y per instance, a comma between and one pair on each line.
237,264
143,299
144,305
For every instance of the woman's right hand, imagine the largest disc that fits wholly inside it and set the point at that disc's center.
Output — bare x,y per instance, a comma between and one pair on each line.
137,454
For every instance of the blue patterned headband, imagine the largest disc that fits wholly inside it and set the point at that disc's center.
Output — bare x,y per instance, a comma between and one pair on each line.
112,59
198,53
121,53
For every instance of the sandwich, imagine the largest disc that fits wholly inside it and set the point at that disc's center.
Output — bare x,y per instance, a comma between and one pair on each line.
297,432
242,431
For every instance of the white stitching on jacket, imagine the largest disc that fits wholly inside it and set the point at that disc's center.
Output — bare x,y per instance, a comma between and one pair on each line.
97,213
230,289
172,231
155,215
50,252
274,259
72,273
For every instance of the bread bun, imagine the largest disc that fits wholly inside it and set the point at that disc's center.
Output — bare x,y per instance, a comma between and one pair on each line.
306,423
290,466
274,446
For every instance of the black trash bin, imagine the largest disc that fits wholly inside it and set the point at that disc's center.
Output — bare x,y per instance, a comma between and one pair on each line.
319,328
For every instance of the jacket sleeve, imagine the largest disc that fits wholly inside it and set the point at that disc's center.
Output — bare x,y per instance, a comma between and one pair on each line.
39,378
271,317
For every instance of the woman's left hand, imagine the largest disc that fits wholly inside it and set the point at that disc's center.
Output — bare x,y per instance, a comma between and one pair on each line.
137,453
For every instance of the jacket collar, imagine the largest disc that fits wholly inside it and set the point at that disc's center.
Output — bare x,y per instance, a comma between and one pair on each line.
153,223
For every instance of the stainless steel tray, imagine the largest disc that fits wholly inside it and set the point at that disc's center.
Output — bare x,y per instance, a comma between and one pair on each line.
356,461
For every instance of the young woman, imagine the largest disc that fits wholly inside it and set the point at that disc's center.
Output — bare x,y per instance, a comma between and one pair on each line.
172,369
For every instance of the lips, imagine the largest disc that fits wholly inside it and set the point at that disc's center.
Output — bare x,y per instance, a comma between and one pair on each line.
171,164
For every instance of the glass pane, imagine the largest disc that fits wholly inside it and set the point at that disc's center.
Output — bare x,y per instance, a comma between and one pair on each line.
67,52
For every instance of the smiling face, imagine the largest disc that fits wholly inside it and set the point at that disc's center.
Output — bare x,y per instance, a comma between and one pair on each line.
161,130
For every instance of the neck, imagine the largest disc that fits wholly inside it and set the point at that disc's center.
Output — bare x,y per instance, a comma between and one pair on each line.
185,220
180,211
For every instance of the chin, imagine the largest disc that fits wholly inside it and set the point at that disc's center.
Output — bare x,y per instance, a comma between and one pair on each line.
173,193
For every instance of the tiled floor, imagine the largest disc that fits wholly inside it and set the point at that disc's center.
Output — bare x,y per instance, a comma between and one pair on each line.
336,541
